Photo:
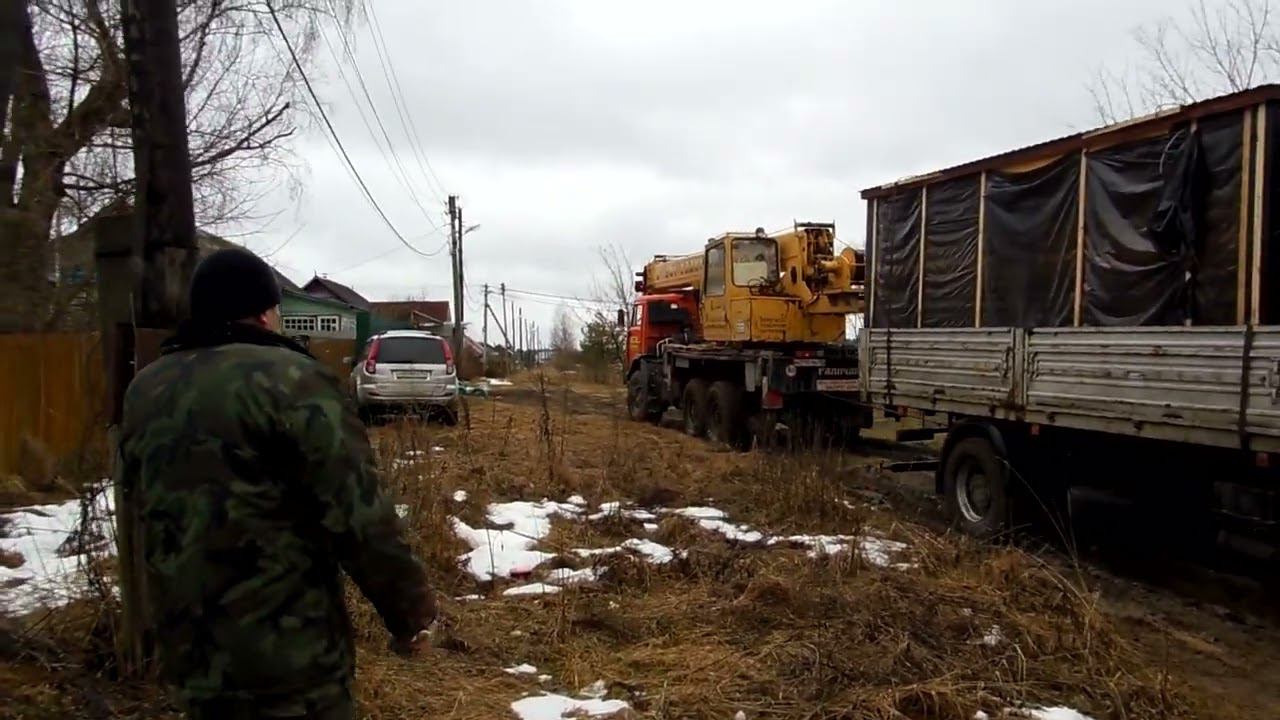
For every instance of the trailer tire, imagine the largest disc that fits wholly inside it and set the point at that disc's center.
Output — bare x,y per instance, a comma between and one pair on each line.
725,421
694,408
976,488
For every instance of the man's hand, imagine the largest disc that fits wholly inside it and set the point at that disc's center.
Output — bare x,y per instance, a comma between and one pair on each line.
415,644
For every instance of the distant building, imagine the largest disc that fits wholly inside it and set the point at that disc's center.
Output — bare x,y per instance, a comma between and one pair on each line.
304,315
414,313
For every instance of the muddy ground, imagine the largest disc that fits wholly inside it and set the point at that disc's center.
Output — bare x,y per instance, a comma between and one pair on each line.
903,620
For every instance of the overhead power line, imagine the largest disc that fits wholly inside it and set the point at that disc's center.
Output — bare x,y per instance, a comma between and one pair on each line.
364,188
402,106
554,296
389,155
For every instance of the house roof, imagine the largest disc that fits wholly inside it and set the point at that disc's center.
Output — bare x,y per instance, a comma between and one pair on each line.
316,299
337,290
208,243
435,310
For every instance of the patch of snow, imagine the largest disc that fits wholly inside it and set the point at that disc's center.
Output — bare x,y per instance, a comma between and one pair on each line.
414,453
736,533
530,519
879,551
994,636
655,553
576,500
651,527
818,545
701,513
544,678
460,496
596,552
498,553
531,589
979,715
402,510
740,716
498,382
597,689
606,510
555,707
51,574
1055,713
437,449
565,577
469,598
521,669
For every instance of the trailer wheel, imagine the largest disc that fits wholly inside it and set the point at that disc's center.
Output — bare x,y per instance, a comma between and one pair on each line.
976,487
725,421
641,406
694,408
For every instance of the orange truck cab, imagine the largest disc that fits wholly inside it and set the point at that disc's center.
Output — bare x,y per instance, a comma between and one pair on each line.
658,317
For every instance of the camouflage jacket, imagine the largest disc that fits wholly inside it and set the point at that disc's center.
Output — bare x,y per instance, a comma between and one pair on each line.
256,483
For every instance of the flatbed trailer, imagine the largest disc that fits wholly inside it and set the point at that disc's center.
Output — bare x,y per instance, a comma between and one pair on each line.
1095,320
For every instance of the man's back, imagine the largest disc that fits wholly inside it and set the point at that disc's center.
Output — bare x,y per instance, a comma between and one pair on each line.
255,483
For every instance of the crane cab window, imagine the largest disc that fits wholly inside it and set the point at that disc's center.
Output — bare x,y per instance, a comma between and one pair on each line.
637,314
714,285
755,261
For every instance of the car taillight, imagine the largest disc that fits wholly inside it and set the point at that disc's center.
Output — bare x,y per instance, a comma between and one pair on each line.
448,357
371,363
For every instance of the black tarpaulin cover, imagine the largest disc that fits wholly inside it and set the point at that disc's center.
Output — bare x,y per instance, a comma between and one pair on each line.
1029,246
897,260
1134,275
1216,281
951,252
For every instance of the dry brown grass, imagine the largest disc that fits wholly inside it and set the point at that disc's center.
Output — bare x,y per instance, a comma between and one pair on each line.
768,631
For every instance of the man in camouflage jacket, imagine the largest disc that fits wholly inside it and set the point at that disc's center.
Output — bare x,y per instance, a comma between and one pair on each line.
256,484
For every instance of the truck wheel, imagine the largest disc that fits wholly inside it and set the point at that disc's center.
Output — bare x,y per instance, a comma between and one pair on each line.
725,421
694,408
975,483
640,406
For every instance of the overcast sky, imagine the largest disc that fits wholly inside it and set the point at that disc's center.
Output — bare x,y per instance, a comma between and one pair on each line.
565,126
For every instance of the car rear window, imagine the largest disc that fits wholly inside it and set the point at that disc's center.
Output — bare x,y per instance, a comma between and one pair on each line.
426,351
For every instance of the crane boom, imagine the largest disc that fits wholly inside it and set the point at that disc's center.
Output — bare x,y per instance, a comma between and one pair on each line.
681,272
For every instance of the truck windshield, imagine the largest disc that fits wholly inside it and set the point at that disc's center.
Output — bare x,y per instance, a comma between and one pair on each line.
755,261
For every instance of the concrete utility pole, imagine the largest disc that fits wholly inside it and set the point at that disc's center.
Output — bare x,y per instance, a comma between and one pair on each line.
484,318
145,266
520,342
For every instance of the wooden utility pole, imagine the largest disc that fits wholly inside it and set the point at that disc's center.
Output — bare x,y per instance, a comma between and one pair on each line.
484,319
520,342
144,274
455,252
505,326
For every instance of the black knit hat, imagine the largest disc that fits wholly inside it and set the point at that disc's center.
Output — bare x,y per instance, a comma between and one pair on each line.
232,284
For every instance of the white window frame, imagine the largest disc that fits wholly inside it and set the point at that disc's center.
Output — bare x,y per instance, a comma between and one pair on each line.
299,323
329,324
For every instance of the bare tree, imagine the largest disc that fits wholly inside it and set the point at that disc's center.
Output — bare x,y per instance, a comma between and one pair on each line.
564,344
614,291
66,151
1215,48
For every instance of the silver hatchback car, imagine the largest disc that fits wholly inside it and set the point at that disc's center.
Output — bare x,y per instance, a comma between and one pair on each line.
406,371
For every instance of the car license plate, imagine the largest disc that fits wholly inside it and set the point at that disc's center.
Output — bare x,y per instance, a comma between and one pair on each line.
413,375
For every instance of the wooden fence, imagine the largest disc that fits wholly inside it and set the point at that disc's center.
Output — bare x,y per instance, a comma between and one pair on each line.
51,392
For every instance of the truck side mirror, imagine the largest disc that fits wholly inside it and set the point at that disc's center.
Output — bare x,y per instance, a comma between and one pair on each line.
622,317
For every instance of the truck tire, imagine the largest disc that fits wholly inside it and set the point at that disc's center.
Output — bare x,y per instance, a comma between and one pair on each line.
725,421
641,405
694,408
976,488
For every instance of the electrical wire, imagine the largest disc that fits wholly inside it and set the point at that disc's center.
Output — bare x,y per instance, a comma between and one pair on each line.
554,296
406,118
389,154
328,124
